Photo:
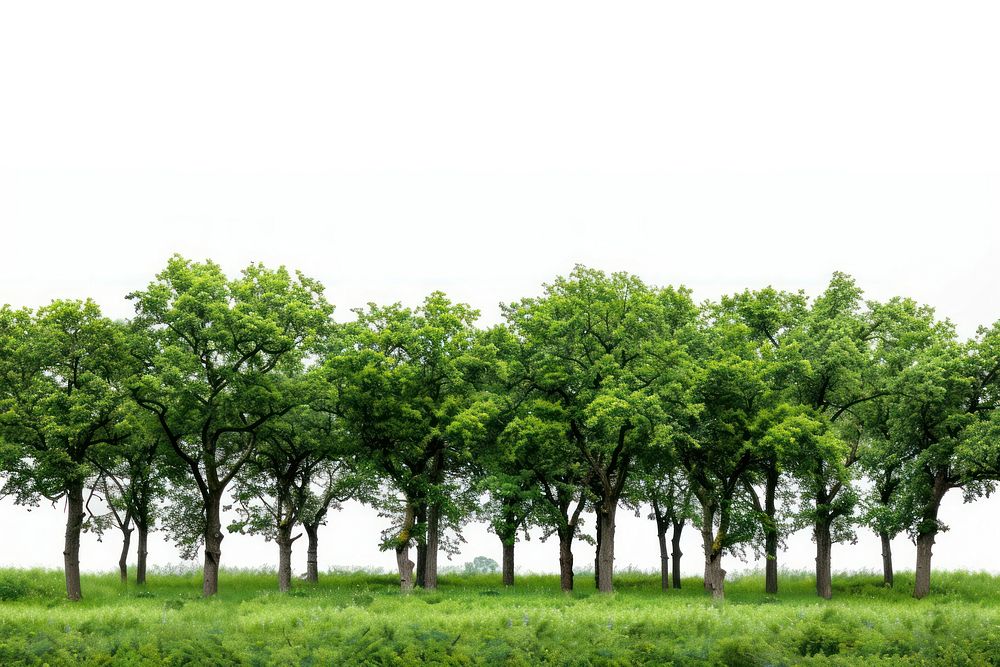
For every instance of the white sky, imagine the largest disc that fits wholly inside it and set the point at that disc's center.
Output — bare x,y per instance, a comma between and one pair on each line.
390,149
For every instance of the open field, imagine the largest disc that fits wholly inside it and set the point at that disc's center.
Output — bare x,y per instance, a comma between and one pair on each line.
361,618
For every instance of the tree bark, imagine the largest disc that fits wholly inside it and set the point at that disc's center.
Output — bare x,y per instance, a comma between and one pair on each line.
824,548
597,550
661,536
606,550
284,541
675,542
887,573
213,545
715,576
925,544
566,560
508,563
431,554
771,533
405,567
312,553
123,558
141,554
71,551
421,572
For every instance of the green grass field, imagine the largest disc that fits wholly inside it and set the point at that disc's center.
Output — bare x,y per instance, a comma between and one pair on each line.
360,618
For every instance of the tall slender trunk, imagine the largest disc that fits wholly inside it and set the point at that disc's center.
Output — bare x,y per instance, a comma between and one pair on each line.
142,552
123,558
431,554
927,532
213,544
606,550
887,572
421,572
508,562
566,559
675,542
284,541
597,550
312,552
661,537
771,532
925,544
71,551
824,547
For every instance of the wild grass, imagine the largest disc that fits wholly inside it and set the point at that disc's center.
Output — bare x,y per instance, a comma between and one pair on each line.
360,618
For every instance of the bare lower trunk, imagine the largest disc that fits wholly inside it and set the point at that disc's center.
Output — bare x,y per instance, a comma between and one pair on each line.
421,548
715,576
771,532
566,561
71,551
312,553
606,551
771,562
142,551
824,548
431,556
887,572
405,567
213,546
508,563
284,541
675,542
925,544
123,558
597,551
403,563
661,536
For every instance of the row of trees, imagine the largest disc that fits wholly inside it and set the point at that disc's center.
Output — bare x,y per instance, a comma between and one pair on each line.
749,418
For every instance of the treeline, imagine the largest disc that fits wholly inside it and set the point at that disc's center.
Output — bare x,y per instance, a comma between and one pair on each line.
748,418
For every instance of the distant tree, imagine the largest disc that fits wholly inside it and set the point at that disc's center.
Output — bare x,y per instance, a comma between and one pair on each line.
63,403
219,359
481,565
399,382
607,353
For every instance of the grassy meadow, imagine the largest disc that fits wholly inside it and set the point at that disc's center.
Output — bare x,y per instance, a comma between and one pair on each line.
360,618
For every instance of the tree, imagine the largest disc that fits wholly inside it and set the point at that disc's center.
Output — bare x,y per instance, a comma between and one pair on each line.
399,381
669,496
607,352
220,358
62,406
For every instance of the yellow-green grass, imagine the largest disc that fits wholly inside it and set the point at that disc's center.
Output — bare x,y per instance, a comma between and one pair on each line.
360,618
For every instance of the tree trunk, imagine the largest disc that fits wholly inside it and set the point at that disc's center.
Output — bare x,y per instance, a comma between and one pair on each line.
312,558
284,541
213,545
431,554
925,544
71,551
597,550
661,536
886,560
421,518
824,548
770,533
123,559
566,560
606,550
141,553
508,562
405,567
675,542
715,576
